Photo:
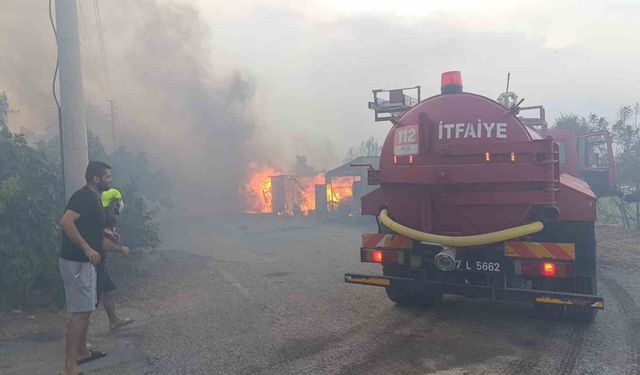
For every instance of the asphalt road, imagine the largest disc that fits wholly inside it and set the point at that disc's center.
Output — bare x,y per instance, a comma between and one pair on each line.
258,295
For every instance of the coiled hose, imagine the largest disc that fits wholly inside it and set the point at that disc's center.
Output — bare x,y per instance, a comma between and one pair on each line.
461,241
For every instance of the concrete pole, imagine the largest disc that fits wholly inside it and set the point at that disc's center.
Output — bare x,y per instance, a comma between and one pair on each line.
74,127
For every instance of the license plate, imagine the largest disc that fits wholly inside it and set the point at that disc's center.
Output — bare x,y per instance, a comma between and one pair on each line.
479,266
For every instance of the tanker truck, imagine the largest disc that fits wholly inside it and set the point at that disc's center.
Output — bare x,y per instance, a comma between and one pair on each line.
477,200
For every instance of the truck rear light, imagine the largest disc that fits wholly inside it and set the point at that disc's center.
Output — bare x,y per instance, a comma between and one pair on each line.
549,269
410,159
382,256
513,157
542,268
395,159
487,157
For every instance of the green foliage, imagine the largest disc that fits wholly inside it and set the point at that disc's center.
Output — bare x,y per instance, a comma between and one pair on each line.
133,171
136,225
626,138
581,124
32,202
626,135
4,111
143,191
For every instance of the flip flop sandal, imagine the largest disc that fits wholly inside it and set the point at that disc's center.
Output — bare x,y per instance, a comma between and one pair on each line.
95,354
122,322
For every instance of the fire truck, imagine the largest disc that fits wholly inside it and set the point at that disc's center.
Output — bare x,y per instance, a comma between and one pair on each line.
476,199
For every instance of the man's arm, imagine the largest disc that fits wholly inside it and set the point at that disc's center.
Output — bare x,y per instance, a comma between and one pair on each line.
68,225
111,234
111,247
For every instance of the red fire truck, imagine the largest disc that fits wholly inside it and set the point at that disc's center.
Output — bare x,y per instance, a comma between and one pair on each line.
475,199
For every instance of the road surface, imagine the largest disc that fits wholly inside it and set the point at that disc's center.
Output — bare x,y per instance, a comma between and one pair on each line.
258,295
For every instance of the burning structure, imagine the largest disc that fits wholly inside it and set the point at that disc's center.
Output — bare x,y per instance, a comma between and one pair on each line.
345,186
336,192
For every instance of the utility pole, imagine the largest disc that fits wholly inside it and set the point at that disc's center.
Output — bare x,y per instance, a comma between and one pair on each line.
74,127
112,113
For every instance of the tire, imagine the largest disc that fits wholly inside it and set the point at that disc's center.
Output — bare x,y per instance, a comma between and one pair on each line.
401,296
406,297
545,310
583,314
549,311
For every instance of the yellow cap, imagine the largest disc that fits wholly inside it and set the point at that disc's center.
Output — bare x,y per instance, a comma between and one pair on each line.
109,196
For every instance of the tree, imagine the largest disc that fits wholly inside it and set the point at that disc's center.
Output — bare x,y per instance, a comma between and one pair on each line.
626,139
626,135
30,202
368,147
581,124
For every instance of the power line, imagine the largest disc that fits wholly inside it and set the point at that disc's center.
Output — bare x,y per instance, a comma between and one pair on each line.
96,7
55,96
93,57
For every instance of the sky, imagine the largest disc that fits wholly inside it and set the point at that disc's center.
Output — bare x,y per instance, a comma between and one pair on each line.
315,62
266,80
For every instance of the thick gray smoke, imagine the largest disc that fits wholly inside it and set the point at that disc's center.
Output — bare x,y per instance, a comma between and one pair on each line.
171,102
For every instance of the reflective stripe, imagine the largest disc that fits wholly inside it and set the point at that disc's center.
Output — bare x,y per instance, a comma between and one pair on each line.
540,250
391,241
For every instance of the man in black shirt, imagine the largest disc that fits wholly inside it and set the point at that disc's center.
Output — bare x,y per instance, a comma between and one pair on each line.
82,242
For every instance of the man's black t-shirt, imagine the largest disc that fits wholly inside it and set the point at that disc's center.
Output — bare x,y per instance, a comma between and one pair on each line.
90,224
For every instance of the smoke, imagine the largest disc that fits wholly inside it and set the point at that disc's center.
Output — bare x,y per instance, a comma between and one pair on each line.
171,101
264,81
26,64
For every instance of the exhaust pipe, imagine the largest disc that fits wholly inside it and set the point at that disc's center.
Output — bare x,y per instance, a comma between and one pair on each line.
446,259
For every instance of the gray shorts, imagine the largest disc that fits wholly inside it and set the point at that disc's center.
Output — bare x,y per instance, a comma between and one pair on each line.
79,280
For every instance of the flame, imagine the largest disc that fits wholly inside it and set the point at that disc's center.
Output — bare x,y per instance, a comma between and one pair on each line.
340,190
299,192
307,192
257,191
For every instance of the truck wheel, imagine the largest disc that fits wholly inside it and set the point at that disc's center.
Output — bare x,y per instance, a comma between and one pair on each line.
397,294
583,314
406,297
400,296
549,311
546,310
427,299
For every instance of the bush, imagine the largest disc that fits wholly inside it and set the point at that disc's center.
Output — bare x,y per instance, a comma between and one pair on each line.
32,202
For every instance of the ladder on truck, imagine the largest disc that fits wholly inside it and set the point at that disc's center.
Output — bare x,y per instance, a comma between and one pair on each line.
390,105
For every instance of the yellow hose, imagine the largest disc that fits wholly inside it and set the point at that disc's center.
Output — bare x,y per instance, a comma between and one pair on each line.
461,241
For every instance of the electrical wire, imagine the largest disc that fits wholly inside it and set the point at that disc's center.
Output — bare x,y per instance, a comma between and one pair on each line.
55,72
103,50
93,56
55,97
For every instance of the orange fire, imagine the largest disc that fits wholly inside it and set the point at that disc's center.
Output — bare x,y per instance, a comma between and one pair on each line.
296,194
307,192
340,190
257,192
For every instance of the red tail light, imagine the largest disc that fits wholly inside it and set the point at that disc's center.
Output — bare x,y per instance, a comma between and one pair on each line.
549,269
382,256
541,268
